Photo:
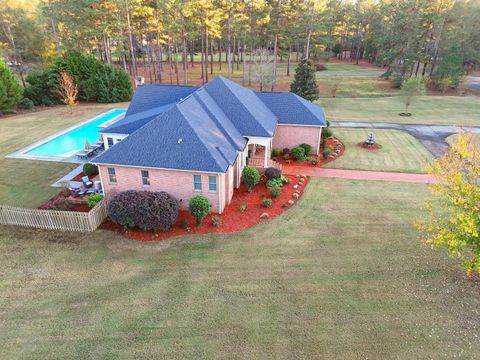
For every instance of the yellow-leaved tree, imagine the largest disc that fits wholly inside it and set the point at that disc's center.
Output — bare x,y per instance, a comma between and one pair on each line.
453,219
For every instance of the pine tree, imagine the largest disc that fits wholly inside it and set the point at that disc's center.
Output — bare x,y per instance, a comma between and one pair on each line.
10,90
304,83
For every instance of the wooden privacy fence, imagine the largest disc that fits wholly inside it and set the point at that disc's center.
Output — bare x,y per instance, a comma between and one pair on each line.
54,219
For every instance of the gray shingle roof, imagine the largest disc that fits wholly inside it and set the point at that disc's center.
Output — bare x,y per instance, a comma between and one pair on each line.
203,131
293,109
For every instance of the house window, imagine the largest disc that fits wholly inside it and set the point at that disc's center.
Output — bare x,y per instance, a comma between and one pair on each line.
110,141
197,182
112,177
118,140
145,177
212,183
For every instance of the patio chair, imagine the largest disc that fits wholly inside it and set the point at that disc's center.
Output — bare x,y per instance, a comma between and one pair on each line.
82,154
76,192
86,181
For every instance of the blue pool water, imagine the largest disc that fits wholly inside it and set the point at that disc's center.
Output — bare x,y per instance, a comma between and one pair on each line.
73,141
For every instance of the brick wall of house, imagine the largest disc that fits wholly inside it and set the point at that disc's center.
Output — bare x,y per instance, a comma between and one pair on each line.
177,183
290,136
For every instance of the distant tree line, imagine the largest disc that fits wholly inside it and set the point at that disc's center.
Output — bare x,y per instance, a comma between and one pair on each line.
164,39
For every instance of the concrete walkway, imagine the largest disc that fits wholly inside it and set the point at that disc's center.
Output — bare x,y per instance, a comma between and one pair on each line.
360,174
431,136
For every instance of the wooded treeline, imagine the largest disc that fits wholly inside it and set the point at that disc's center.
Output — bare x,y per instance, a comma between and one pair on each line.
169,37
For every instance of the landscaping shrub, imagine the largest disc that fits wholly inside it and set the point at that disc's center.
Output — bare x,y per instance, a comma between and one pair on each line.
199,207
243,207
276,151
327,132
397,81
42,87
285,180
314,161
250,177
286,156
274,190
145,209
266,203
184,224
286,151
275,181
298,153
27,104
93,199
272,173
10,90
90,169
327,151
320,67
307,148
217,221
95,80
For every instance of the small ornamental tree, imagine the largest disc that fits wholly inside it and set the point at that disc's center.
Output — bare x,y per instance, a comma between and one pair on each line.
10,90
453,220
250,177
67,89
90,169
411,88
304,83
199,207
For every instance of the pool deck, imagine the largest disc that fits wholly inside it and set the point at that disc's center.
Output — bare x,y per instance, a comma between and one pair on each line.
23,153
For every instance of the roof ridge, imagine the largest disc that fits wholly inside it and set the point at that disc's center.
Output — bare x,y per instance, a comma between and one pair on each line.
198,137
245,107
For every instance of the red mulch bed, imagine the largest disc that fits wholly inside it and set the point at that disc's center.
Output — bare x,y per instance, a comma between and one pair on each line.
369,147
232,218
331,141
59,198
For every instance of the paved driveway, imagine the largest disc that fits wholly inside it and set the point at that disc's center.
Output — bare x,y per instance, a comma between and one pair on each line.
431,136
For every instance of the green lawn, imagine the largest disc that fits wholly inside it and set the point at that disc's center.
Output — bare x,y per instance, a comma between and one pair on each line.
475,139
354,87
342,275
27,183
426,110
400,151
348,69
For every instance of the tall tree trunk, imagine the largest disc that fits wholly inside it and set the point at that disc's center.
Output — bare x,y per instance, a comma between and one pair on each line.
169,59
274,73
220,54
130,38
206,55
184,57
250,65
202,50
307,44
192,53
211,57
53,24
244,67
288,59
229,46
176,62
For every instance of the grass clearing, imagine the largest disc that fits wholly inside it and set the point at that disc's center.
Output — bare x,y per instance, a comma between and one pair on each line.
447,110
453,138
400,151
27,183
354,87
342,275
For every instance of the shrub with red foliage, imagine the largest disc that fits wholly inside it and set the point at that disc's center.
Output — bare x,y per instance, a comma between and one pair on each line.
145,209
272,173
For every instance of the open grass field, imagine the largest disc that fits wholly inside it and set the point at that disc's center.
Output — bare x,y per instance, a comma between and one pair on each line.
342,275
27,183
345,68
400,151
447,110
475,139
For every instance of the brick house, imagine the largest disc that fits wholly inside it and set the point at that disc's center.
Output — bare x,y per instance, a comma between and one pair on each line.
189,140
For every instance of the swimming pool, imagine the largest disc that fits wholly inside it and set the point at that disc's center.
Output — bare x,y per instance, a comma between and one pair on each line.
70,142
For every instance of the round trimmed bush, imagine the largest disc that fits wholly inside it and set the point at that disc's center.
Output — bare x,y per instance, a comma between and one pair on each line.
286,150
274,190
307,148
250,177
26,103
272,173
286,156
90,169
266,203
199,207
146,209
298,153
276,151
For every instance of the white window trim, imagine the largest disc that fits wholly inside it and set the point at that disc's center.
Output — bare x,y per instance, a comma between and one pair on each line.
110,176
216,183
195,182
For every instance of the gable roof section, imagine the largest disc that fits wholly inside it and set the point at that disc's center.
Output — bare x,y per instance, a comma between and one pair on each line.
245,110
293,109
185,137
148,102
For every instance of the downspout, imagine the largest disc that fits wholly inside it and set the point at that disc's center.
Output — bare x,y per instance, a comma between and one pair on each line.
319,139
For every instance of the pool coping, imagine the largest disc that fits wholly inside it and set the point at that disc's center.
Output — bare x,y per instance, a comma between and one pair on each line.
22,153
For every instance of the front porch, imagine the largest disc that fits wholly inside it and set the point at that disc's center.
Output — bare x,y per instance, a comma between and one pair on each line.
259,154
